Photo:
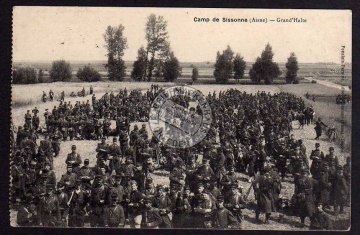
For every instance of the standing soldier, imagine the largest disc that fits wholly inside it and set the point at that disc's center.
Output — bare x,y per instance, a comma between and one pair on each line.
74,159
55,141
62,97
332,160
35,122
317,156
77,205
135,206
115,156
318,128
102,149
114,215
151,217
263,185
163,203
51,95
341,191
304,200
50,214
91,90
28,119
97,202
63,204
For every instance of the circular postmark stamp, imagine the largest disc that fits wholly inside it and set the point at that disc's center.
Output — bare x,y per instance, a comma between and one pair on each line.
180,117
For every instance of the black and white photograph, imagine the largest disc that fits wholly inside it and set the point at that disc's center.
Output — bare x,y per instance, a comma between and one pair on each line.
181,118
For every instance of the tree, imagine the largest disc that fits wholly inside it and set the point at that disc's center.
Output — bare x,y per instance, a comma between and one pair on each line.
41,78
264,68
116,43
195,74
292,68
60,71
88,74
25,75
224,65
239,67
158,48
171,68
139,66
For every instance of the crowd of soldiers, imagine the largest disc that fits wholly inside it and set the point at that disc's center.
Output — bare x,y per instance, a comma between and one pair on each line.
250,134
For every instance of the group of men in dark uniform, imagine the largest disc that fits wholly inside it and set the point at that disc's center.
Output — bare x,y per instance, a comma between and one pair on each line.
250,134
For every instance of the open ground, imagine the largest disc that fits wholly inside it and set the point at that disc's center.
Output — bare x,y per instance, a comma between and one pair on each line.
26,97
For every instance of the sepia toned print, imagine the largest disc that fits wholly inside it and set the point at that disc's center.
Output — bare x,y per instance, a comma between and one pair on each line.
181,118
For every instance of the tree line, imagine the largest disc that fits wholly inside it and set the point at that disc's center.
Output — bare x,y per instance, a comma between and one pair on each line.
157,61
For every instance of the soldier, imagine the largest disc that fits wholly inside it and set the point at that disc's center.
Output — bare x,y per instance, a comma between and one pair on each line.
163,203
102,149
204,173
298,161
28,119
117,189
51,95
320,220
27,214
234,203
332,160
68,179
222,218
74,159
177,175
76,204
324,187
341,191
303,199
318,128
135,206
263,185
182,209
114,156
35,121
98,198
50,215
91,90
151,217
63,204
317,156
55,141
114,215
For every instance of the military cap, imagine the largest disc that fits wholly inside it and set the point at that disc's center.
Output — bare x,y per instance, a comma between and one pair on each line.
86,161
304,170
317,144
98,177
103,138
73,147
200,185
231,167
114,139
331,148
143,125
133,182
159,186
220,198
148,199
114,197
234,186
33,163
187,187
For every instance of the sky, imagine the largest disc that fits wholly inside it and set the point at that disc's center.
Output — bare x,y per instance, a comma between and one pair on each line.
76,33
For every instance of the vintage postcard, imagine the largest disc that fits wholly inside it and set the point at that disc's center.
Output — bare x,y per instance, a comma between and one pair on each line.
181,118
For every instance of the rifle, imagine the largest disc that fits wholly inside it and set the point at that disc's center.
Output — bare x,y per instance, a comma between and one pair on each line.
72,195
248,192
